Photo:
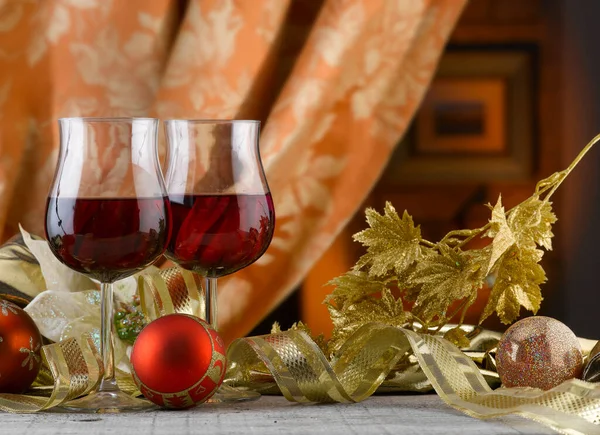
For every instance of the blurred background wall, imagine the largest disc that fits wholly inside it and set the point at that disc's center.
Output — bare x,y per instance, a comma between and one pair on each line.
580,207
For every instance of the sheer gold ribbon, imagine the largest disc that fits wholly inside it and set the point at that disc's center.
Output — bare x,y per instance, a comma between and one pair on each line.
303,374
293,364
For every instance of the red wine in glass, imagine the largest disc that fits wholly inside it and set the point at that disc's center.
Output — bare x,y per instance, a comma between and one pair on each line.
107,238
216,235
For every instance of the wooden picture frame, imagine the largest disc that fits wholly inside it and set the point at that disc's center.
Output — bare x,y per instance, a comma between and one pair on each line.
475,124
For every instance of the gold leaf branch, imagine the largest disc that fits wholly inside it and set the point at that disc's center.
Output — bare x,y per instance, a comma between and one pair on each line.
406,280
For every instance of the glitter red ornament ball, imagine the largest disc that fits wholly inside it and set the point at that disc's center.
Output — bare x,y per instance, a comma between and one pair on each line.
538,352
20,346
178,361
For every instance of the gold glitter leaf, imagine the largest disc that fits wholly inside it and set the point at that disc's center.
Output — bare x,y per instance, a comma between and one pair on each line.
387,309
352,287
501,232
517,284
392,243
531,222
444,278
458,337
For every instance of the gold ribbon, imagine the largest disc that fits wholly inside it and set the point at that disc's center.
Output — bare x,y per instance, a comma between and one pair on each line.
74,370
303,374
170,291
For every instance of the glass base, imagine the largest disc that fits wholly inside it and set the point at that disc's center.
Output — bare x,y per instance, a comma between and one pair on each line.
108,402
227,394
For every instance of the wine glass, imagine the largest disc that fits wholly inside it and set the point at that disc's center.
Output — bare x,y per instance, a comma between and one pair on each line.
108,217
223,214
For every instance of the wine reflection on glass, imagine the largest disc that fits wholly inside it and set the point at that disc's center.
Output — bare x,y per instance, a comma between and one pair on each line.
223,214
108,217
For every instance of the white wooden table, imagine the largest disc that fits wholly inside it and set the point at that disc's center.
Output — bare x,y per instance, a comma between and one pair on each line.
405,414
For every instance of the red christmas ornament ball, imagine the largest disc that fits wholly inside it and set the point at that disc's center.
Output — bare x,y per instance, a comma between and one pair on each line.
178,361
20,346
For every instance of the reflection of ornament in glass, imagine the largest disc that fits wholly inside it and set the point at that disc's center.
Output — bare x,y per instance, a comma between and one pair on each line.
20,346
129,321
178,361
538,352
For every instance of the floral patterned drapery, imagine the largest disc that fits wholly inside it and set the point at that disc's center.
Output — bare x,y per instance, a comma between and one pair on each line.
335,92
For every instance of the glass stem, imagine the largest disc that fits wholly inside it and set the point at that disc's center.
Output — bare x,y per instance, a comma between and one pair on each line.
108,383
210,303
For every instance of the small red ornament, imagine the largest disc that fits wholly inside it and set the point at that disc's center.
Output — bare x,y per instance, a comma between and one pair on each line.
20,345
178,361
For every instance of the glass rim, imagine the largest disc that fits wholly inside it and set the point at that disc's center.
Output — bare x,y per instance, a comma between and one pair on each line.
106,119
212,121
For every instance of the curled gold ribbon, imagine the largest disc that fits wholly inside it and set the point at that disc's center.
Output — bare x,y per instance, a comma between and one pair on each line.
170,291
74,369
303,374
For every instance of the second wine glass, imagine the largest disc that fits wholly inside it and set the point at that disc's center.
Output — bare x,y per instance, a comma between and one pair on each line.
223,214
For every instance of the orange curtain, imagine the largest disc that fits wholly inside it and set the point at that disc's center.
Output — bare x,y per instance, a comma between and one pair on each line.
335,83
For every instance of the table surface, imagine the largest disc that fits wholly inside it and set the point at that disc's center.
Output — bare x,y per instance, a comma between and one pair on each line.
405,414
